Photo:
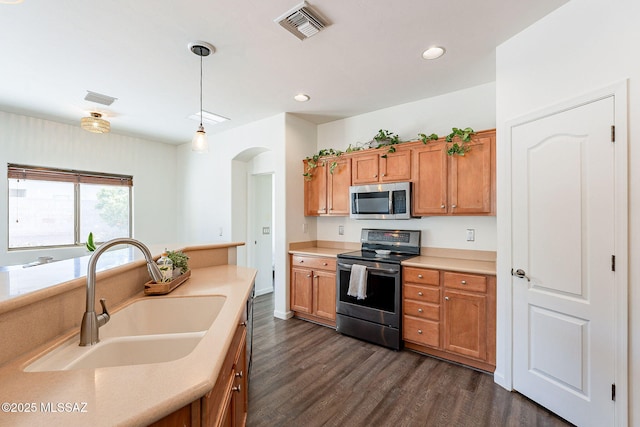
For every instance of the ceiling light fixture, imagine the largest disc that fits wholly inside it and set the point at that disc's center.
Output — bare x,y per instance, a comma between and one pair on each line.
95,123
10,1
434,52
199,142
302,97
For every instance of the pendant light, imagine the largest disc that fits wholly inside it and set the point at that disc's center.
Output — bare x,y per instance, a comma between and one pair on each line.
199,142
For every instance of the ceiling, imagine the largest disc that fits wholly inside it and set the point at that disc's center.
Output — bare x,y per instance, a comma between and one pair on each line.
368,58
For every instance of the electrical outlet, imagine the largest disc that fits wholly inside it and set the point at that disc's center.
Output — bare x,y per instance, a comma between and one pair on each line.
341,230
471,235
220,231
266,230
304,227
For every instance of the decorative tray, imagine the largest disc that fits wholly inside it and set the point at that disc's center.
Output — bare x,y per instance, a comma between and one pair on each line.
153,288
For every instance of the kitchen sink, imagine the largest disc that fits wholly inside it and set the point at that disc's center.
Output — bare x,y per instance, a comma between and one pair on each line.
152,330
152,316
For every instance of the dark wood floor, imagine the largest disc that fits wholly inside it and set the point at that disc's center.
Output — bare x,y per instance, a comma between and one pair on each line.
308,375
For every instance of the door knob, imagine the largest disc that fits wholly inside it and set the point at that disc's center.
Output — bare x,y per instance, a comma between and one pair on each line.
521,274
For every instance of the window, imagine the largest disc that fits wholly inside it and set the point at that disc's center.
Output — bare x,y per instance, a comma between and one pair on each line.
55,207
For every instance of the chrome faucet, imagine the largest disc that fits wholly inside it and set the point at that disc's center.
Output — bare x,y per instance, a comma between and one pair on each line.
90,321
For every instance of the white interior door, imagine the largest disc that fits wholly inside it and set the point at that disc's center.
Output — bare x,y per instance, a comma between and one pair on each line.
563,241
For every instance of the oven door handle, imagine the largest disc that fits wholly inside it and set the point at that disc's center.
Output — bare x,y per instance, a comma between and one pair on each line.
380,270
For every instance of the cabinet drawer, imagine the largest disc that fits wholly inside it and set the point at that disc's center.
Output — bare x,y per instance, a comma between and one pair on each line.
421,293
421,331
421,275
467,282
422,310
320,263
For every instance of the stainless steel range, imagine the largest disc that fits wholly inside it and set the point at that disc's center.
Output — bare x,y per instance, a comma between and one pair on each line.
370,309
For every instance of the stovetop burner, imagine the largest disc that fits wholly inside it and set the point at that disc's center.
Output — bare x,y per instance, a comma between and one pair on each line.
392,246
393,258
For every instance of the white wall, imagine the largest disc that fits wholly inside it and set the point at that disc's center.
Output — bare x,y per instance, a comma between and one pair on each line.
474,107
583,46
37,142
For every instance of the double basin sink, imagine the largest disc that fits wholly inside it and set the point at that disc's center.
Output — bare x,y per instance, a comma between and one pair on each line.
150,330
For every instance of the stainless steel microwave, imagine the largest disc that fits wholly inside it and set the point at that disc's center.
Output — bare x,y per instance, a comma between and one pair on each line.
380,201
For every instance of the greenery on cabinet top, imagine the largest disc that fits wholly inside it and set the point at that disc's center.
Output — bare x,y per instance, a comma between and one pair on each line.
457,144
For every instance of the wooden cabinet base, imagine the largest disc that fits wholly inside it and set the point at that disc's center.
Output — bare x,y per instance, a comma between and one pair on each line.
452,357
315,319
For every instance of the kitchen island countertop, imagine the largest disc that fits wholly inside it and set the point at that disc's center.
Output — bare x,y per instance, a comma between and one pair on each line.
129,395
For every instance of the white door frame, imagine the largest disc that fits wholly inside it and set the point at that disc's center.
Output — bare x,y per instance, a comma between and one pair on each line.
252,225
504,371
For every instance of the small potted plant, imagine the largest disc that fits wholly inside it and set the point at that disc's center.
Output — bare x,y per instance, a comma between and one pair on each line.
180,262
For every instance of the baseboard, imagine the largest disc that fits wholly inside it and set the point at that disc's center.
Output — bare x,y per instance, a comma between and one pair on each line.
266,291
282,315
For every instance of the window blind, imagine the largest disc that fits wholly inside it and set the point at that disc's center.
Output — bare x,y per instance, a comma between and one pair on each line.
15,171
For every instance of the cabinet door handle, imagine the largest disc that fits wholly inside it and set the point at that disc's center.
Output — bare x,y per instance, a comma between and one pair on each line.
308,275
375,176
420,293
420,331
446,298
464,282
239,374
442,206
324,263
315,277
383,174
419,276
419,310
454,206
237,388
301,261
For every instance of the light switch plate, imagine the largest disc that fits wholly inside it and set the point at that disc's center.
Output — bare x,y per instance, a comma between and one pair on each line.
341,230
471,235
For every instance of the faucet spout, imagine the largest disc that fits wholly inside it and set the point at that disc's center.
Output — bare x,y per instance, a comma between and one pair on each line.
91,322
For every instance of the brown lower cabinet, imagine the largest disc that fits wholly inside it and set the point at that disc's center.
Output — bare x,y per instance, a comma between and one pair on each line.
450,315
313,288
226,404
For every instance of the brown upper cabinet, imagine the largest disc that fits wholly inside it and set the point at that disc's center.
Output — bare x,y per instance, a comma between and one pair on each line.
381,166
442,184
327,192
455,185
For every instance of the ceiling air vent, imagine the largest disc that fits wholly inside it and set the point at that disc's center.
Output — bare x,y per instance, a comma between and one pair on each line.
302,21
99,98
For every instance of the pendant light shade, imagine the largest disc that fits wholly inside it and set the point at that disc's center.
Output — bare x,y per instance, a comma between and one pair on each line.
199,142
95,123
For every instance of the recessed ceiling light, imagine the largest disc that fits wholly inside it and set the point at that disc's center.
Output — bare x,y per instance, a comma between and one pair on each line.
434,52
302,97
10,1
